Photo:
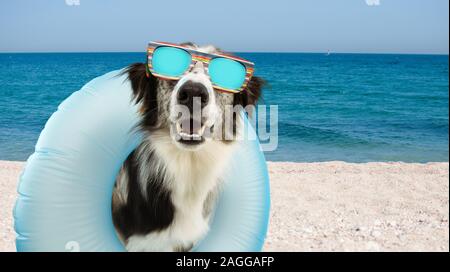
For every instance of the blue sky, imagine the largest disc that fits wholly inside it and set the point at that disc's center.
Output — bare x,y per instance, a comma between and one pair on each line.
385,26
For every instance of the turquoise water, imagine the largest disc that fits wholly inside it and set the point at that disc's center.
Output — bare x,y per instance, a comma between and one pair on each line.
350,107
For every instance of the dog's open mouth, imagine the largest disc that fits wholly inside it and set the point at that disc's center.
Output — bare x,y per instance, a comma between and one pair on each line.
190,131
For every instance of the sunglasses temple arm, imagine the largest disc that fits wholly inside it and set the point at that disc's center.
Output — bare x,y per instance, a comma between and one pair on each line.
147,71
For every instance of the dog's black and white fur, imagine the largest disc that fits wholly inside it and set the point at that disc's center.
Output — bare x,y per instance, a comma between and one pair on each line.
167,187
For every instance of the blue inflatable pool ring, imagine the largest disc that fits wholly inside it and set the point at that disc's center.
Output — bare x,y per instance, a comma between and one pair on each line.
65,191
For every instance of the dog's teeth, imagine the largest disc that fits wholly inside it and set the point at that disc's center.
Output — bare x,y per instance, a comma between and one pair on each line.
190,136
201,130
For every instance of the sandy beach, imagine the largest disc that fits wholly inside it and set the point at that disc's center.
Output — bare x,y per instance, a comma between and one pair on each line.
332,206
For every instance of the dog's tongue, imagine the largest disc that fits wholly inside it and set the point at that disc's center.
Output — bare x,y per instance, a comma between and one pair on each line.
191,126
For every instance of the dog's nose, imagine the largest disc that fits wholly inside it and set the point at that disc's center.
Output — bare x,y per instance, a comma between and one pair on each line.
190,90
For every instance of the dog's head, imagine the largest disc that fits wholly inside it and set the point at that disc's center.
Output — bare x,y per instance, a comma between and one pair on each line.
190,111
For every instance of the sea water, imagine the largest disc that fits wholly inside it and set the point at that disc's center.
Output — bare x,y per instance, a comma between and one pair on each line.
350,107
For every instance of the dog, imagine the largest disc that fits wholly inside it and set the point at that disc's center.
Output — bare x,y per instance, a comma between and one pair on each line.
166,189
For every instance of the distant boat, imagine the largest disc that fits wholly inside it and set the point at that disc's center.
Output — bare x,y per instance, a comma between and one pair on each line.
328,53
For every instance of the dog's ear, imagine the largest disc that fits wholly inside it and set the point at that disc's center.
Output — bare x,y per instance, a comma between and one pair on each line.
251,94
144,87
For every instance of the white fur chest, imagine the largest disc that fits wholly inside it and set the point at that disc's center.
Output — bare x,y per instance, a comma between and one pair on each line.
190,176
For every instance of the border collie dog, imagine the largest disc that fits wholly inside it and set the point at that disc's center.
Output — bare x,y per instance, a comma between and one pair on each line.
167,187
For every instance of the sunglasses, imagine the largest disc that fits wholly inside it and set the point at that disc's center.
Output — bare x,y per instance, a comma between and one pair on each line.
171,61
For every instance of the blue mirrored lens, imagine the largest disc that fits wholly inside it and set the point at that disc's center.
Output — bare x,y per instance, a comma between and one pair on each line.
170,61
227,73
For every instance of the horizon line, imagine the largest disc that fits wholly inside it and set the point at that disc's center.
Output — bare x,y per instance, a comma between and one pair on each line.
261,52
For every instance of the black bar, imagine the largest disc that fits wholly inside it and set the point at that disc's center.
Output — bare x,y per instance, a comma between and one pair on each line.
226,261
